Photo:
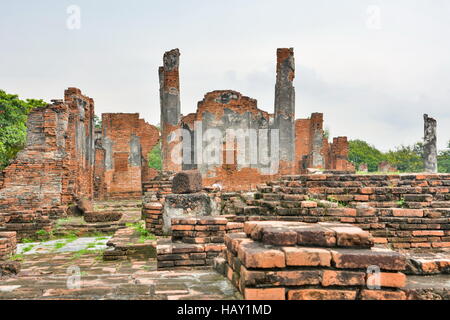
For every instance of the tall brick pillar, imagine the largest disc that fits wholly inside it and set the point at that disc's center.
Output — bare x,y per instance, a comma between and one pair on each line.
170,106
430,145
285,104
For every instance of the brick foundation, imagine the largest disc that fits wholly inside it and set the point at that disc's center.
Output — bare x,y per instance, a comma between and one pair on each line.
296,261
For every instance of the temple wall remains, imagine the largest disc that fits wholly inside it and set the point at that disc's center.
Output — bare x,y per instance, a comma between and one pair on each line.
122,156
55,167
251,156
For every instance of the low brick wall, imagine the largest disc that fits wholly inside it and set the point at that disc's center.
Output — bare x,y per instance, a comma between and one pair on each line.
402,211
195,242
8,244
199,230
2,179
180,255
27,222
296,261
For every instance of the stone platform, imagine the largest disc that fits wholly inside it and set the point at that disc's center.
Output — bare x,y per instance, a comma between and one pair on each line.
299,261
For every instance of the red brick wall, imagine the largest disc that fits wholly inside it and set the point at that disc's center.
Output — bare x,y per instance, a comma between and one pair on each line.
335,155
302,140
122,178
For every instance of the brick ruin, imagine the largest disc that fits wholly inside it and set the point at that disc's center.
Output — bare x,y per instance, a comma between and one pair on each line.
310,231
121,154
302,142
299,261
56,168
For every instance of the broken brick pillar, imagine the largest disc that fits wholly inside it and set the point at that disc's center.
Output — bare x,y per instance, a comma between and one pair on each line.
429,146
169,80
317,141
339,155
285,104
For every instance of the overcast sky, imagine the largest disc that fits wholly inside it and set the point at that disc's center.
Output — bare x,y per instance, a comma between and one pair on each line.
372,67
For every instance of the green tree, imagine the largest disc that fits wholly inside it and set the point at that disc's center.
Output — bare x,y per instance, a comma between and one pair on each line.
362,152
155,158
97,122
444,160
13,118
407,158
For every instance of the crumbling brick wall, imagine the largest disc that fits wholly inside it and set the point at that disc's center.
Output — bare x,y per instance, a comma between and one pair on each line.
122,156
222,111
302,143
54,168
80,145
313,149
338,156
2,179
8,245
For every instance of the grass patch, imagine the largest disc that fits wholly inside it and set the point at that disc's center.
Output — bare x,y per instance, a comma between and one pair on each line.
341,204
144,234
17,257
60,245
26,240
27,249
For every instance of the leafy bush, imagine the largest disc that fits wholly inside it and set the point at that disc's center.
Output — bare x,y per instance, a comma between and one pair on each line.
13,117
155,158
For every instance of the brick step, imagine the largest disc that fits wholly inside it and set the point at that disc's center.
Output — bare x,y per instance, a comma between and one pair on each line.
327,189
430,263
359,184
369,177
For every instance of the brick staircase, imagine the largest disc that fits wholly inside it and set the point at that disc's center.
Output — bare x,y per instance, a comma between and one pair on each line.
404,211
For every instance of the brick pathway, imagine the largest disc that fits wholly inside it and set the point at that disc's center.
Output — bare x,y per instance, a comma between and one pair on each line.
45,276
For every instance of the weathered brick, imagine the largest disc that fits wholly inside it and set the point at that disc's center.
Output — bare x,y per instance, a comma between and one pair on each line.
305,257
382,295
362,259
320,294
254,255
343,278
265,294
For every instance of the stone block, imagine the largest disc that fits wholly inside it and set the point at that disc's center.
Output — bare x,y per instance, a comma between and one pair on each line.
187,182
